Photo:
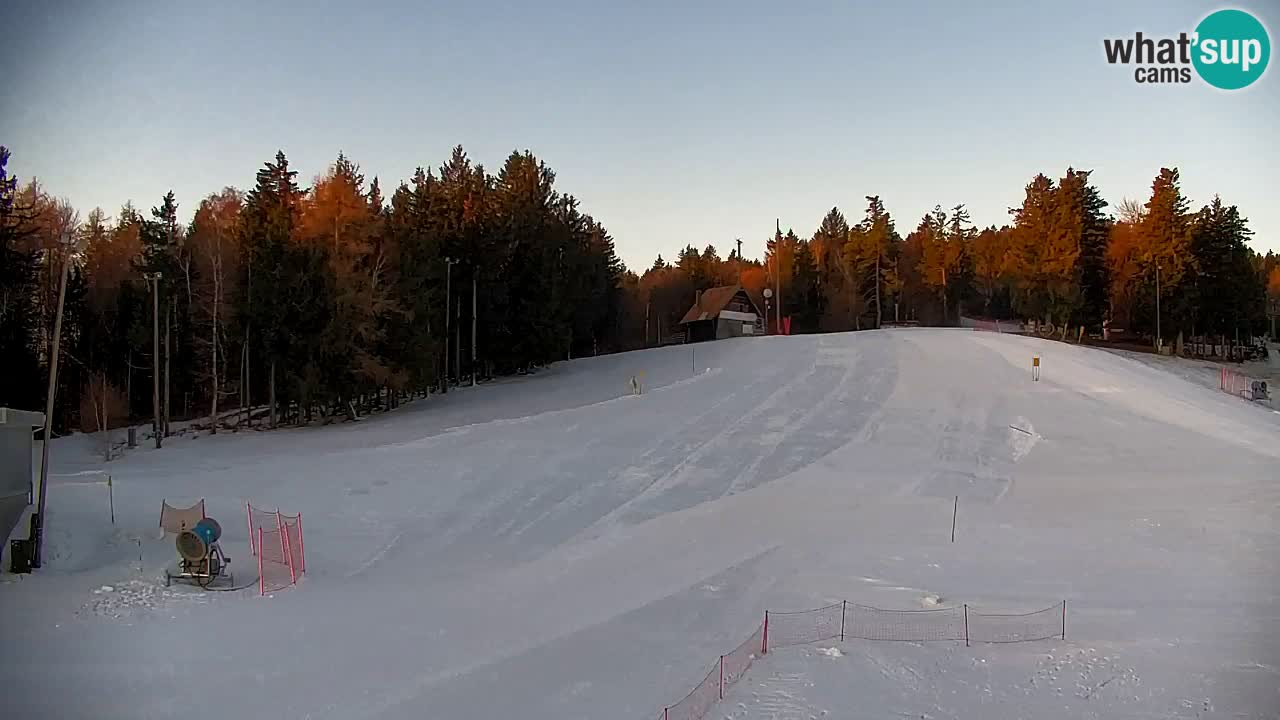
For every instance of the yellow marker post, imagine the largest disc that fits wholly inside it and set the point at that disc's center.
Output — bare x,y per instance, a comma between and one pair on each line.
1035,367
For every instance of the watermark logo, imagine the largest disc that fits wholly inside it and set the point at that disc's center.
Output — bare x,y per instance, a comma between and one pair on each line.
1229,49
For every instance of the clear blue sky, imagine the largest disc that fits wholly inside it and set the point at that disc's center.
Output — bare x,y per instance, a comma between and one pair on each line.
673,122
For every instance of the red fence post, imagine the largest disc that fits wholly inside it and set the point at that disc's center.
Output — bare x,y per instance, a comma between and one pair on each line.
302,546
843,604
262,582
284,550
721,677
1064,619
288,557
966,624
764,641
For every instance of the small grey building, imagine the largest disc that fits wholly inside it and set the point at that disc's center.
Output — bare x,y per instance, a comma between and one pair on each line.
15,467
722,312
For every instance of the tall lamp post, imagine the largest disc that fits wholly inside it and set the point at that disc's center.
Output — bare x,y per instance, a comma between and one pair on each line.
474,271
70,247
154,278
767,294
448,272
1158,336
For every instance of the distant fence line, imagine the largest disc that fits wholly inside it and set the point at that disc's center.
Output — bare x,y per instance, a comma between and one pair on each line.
842,620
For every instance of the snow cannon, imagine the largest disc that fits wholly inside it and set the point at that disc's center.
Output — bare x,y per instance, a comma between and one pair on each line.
194,544
200,558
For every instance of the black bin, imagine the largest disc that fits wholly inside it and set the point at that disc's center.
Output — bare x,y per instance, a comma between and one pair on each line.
20,556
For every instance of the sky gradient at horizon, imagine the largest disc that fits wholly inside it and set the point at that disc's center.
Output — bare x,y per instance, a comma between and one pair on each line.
673,123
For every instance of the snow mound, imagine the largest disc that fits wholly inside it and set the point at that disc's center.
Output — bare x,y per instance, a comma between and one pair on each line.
138,596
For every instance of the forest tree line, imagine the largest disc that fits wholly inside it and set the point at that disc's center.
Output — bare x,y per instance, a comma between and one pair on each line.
332,300
1062,259
321,301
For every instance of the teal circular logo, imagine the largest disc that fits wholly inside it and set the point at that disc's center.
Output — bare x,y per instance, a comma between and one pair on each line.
1231,49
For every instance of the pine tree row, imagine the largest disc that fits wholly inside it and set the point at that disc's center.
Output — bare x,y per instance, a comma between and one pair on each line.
1061,260
289,304
292,304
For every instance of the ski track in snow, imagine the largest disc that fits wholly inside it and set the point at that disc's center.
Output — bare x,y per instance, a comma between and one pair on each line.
553,546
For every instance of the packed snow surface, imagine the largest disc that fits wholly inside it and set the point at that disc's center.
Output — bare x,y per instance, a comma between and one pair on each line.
556,547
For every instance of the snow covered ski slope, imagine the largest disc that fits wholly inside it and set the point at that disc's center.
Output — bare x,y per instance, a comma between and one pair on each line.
554,547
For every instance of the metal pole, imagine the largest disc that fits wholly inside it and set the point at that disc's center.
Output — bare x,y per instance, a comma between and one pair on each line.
966,625
448,271
1157,307
474,312
844,605
155,356
879,315
954,509
48,414
764,639
649,302
777,291
168,385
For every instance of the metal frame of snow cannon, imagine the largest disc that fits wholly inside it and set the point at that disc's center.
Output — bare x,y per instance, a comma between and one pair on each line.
200,558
